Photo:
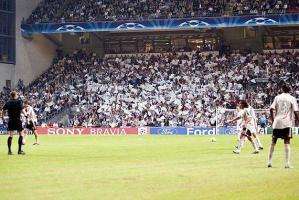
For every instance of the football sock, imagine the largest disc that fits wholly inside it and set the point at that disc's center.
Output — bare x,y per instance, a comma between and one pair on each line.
271,153
254,145
24,139
9,141
20,142
287,148
241,143
259,144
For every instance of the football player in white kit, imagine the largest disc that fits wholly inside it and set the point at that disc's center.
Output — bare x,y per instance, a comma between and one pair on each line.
248,127
31,121
255,133
239,127
239,123
283,112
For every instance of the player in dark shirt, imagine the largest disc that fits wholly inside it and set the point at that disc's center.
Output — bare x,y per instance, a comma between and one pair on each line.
14,108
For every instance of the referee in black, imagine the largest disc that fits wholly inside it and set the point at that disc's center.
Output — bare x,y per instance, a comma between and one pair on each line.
14,109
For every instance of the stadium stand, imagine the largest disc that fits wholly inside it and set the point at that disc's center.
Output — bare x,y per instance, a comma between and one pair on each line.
156,89
241,7
111,10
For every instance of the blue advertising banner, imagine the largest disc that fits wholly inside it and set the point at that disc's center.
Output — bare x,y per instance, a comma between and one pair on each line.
168,131
3,131
162,24
200,131
227,130
191,131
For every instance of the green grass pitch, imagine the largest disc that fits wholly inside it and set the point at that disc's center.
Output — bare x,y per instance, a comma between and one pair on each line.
145,168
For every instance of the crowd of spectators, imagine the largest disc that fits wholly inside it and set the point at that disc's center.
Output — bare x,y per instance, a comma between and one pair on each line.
157,90
99,10
263,7
112,10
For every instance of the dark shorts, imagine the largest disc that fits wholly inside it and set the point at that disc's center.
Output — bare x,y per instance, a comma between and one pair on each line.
14,125
263,125
285,134
30,126
246,132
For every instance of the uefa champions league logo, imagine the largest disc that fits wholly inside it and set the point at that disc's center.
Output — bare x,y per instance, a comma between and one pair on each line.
260,21
142,130
194,24
130,26
70,28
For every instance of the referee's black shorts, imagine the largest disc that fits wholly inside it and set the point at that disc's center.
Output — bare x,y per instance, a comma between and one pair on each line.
285,134
15,125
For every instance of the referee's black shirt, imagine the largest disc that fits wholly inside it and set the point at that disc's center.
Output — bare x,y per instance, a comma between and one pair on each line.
14,109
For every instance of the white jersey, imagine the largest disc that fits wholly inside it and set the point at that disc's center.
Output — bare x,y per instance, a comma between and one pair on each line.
284,105
23,119
248,120
30,114
239,121
252,112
